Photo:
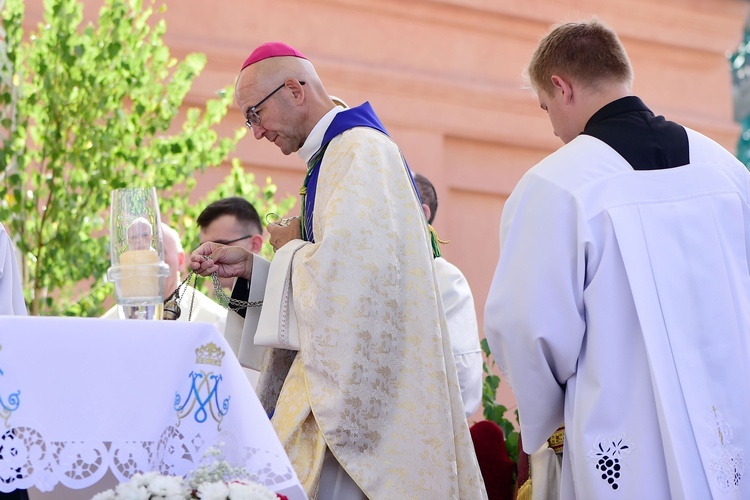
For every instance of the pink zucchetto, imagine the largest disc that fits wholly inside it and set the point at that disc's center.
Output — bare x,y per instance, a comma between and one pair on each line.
271,49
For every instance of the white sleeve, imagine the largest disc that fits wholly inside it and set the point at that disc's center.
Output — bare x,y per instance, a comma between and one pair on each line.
11,291
469,369
240,332
461,317
534,315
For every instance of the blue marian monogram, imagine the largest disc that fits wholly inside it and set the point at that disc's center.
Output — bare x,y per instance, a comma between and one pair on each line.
203,399
9,405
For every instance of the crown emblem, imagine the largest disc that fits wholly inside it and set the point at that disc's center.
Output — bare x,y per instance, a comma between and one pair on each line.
209,354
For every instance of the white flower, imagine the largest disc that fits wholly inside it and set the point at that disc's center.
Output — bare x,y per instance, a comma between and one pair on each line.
213,491
214,479
142,479
132,491
168,487
250,491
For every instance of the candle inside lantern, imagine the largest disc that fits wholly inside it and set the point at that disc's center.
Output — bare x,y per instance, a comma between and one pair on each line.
140,273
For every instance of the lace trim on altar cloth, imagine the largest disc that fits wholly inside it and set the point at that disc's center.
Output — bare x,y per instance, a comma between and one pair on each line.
27,459
726,463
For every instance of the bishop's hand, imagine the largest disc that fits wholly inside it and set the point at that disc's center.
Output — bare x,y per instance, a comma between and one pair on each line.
282,232
225,261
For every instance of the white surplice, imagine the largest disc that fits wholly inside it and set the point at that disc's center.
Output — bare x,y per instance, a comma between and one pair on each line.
11,291
461,316
621,306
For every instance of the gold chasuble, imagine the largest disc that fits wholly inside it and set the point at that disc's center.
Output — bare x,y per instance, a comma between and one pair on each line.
374,380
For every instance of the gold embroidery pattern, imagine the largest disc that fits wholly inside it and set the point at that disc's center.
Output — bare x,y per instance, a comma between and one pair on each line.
297,430
209,354
557,440
375,354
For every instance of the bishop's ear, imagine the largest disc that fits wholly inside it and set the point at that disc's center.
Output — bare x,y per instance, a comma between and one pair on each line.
296,87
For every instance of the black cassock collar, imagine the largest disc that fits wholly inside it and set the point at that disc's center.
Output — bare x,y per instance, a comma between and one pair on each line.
646,141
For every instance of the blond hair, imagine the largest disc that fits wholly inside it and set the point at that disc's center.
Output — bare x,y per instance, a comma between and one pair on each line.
588,52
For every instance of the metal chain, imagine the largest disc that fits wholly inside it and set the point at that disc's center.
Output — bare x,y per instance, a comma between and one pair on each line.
224,300
230,302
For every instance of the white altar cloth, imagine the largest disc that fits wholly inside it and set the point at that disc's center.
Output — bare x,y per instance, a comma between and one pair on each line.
81,396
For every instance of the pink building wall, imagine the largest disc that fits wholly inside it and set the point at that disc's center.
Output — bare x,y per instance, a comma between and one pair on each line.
445,78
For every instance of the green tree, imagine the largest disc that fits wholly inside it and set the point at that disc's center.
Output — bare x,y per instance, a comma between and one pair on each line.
87,109
184,214
237,183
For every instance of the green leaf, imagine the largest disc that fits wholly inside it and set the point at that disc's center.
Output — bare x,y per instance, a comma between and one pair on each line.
491,409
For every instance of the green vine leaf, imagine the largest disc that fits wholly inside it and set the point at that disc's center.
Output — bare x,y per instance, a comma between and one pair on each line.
492,410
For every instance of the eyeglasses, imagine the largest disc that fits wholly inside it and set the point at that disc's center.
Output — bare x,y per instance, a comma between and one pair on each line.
253,118
228,242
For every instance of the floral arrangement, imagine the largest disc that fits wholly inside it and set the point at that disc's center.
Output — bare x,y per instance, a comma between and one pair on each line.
216,480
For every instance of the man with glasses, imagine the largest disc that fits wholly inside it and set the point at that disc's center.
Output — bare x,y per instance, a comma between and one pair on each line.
370,406
231,221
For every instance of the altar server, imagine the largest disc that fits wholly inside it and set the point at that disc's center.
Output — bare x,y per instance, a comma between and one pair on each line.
621,300
460,314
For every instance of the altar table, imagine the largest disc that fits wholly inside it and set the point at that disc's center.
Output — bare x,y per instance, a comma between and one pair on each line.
81,396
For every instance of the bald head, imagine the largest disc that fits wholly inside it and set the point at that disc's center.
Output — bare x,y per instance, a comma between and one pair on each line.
288,114
174,256
278,69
